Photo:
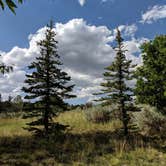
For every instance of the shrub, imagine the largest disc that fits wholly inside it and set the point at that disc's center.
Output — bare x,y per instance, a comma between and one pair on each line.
98,114
11,115
150,121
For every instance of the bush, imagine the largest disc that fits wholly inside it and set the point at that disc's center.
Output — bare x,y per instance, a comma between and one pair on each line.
150,121
10,115
99,114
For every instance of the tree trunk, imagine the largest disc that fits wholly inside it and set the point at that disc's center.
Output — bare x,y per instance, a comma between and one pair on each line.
46,120
124,118
125,123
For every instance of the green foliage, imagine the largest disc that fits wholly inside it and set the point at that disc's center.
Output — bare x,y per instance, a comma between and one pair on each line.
150,121
115,88
151,76
47,84
10,3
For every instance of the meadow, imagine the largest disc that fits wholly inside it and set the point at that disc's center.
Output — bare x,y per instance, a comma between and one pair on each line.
83,144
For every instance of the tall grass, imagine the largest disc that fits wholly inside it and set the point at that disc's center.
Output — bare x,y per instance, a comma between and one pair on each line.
79,124
12,127
86,143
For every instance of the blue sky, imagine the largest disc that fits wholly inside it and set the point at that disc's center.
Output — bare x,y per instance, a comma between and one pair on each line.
138,20
34,14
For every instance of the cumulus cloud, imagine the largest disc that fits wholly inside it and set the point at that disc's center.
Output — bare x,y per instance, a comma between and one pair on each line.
19,58
84,51
153,14
84,47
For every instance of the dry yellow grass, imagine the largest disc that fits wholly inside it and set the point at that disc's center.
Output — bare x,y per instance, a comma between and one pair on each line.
86,143
79,124
12,127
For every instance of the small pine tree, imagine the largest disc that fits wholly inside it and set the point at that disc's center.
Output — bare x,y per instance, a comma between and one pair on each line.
48,84
115,88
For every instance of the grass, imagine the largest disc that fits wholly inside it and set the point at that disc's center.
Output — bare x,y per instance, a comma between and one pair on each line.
12,127
79,124
84,144
138,157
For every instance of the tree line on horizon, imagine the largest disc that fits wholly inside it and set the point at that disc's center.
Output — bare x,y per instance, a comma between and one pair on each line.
48,85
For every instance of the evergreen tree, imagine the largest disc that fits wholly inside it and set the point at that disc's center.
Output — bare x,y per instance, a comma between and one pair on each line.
151,76
115,88
10,3
47,84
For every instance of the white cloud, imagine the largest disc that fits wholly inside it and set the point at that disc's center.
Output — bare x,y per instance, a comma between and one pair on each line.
19,58
153,14
133,50
127,30
104,1
82,2
84,47
86,92
84,50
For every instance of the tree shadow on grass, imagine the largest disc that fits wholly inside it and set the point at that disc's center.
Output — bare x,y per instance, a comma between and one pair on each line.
67,148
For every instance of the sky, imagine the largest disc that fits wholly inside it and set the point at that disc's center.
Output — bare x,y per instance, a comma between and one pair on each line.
86,32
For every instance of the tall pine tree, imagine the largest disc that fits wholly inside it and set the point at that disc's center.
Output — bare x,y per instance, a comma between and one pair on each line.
115,88
47,85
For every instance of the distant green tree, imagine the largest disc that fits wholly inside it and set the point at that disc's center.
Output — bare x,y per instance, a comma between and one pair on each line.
18,102
17,99
10,3
0,98
48,85
10,99
151,76
115,88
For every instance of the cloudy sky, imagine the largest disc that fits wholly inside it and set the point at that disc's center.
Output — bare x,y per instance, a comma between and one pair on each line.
86,33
